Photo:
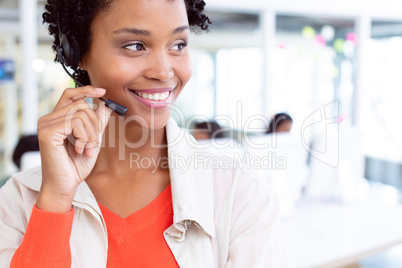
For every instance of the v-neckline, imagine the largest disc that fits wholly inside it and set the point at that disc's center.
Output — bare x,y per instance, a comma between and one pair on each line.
124,228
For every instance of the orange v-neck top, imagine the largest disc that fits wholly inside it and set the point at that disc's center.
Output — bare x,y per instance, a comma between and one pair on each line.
136,241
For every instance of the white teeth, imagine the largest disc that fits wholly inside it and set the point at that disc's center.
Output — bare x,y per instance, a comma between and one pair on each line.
155,96
164,96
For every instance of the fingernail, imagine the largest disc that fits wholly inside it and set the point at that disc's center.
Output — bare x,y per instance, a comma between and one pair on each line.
91,153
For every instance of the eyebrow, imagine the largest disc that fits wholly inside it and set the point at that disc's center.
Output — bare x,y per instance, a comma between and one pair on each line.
148,33
181,29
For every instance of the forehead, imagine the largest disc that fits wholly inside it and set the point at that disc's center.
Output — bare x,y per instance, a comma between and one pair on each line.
147,12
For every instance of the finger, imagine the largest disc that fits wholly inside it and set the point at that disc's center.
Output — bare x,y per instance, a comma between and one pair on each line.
87,143
70,129
65,124
103,114
94,124
91,126
71,95
67,109
90,120
61,133
79,136
68,112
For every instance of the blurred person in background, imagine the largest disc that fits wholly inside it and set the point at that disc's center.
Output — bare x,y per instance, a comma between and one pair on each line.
26,144
26,154
207,130
280,122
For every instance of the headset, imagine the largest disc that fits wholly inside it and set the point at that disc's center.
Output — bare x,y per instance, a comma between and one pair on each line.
70,57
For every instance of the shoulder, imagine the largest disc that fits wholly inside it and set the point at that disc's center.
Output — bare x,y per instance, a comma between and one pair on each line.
30,178
243,204
232,178
21,190
240,185
17,197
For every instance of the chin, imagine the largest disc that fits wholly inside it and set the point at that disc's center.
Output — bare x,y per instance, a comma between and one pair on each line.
154,121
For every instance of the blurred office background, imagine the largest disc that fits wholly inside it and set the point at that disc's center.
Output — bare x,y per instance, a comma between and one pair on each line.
334,66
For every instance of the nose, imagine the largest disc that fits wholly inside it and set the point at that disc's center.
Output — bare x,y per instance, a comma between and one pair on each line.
159,67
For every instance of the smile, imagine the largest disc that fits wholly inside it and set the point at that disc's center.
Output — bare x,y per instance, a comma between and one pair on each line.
153,96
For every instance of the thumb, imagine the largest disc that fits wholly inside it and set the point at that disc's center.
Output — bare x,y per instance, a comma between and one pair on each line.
103,114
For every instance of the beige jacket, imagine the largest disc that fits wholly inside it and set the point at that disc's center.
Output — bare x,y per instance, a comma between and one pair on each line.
222,216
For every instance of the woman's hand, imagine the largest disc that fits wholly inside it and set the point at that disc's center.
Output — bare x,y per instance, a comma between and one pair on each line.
69,141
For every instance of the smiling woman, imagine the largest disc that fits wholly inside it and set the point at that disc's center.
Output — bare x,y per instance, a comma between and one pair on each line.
132,191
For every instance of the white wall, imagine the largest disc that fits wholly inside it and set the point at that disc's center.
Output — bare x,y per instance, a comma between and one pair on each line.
381,9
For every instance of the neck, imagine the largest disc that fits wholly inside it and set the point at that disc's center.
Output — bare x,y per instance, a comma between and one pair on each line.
130,149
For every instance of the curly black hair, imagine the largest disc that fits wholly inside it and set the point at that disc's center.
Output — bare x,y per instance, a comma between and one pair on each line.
74,17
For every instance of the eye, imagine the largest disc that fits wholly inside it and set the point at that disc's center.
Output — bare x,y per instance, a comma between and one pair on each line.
137,46
180,46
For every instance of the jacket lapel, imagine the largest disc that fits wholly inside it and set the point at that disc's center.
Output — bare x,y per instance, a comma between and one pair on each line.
193,200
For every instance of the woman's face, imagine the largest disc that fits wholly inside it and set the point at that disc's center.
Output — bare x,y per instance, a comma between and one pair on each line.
138,54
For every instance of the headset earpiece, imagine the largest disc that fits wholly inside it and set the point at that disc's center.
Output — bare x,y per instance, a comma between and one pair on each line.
59,51
66,52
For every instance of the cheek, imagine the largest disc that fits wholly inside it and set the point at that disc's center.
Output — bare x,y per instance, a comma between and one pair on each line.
112,73
116,72
185,71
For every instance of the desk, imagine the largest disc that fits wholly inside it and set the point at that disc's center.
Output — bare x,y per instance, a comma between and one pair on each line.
327,234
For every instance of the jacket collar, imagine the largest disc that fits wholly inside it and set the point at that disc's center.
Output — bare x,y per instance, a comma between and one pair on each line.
84,198
191,182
